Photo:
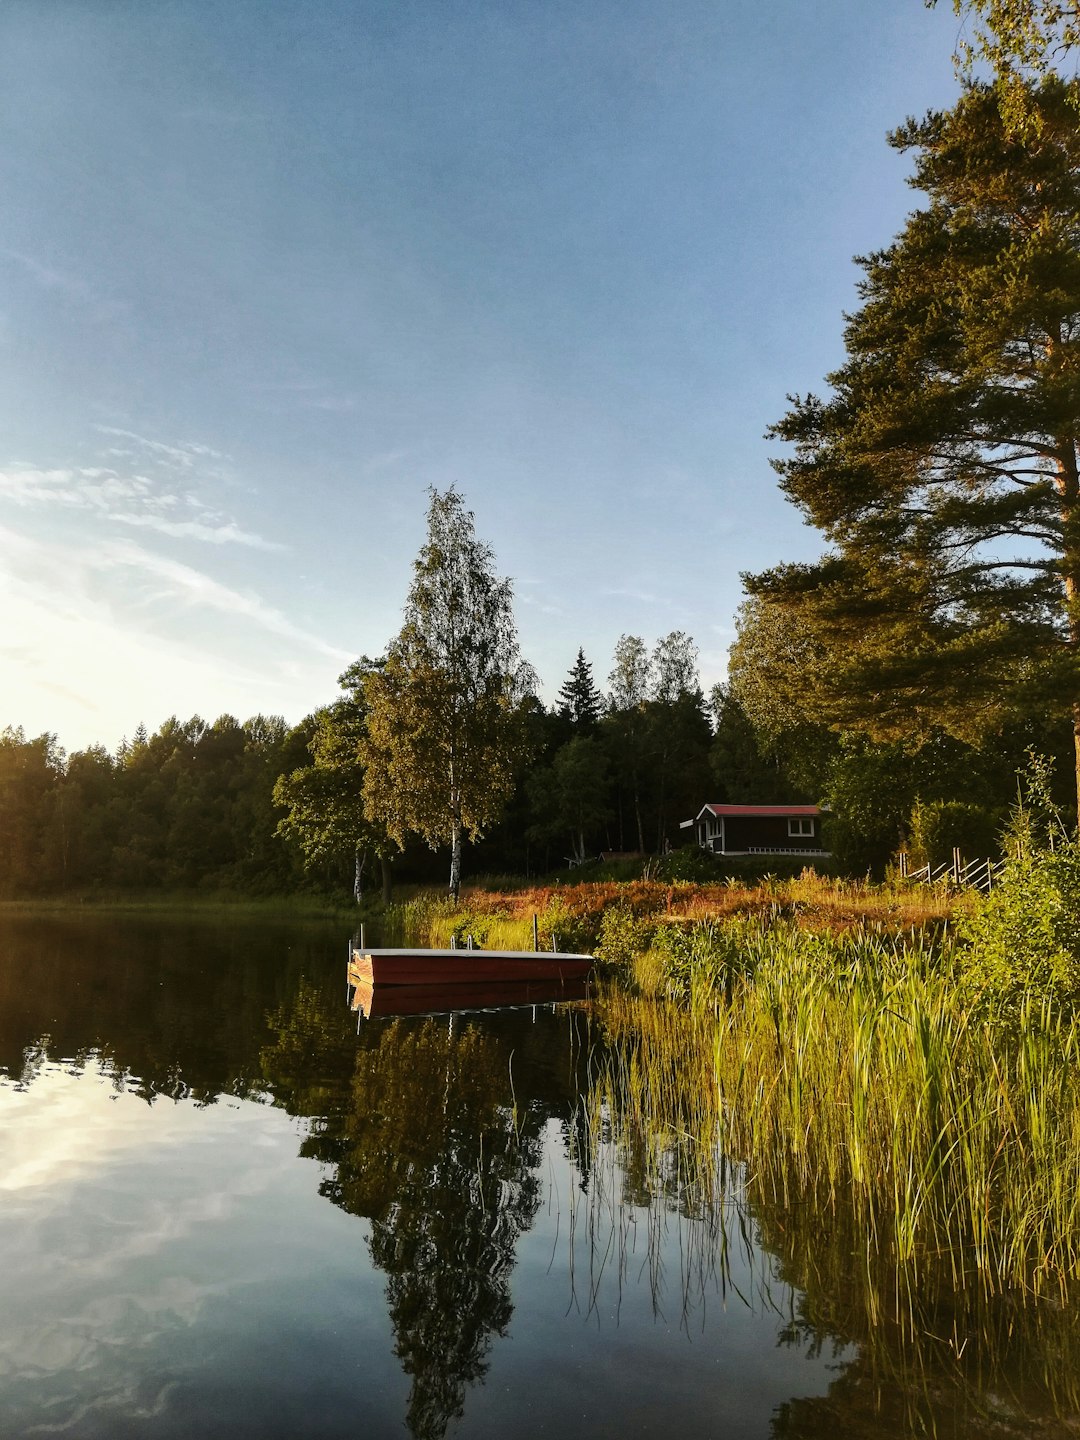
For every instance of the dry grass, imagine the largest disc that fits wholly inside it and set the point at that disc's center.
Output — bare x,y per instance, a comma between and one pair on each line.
811,901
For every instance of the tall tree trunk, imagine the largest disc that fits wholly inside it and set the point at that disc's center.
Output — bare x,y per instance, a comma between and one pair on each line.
358,877
661,827
1068,487
387,879
455,861
637,817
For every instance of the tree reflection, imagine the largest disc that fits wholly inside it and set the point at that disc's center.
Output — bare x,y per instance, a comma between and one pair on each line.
440,1163
428,1144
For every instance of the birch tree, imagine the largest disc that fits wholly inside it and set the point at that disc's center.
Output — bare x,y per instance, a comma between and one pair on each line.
445,728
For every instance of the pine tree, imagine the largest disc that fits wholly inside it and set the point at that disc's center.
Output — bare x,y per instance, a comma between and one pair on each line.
945,466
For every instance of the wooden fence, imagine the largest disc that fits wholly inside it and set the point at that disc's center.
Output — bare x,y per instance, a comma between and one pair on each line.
971,874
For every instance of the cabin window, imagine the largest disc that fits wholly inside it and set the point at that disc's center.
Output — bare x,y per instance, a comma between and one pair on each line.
800,829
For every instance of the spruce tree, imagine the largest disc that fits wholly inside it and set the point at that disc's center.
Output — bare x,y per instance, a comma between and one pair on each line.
579,699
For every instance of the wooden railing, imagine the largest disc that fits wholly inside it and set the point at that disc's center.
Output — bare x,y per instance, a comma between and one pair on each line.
970,874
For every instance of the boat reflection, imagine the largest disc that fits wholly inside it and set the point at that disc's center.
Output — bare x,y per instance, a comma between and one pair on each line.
385,1001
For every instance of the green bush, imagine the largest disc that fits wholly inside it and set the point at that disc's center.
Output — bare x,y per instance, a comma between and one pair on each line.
561,928
1022,941
939,826
469,924
623,936
706,955
689,862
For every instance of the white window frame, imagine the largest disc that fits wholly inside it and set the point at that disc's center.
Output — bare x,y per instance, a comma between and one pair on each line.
800,827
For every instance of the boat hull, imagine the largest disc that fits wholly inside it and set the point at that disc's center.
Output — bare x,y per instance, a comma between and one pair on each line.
463,967
377,1002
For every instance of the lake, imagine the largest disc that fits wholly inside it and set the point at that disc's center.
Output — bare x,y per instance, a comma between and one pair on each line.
228,1207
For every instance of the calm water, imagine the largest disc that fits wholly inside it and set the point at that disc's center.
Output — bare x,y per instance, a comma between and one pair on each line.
225,1211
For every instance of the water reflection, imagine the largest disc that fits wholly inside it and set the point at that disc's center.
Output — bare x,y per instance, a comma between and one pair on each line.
506,1229
430,1142
926,1350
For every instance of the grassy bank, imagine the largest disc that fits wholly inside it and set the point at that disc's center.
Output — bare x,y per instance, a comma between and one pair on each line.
577,916
925,1086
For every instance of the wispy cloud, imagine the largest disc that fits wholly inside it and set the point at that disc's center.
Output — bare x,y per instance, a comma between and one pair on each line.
182,584
130,634
645,597
310,394
544,606
334,404
185,456
388,460
158,501
227,533
49,277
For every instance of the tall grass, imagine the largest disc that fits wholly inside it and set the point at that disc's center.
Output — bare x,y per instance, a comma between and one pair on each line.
848,1073
850,1105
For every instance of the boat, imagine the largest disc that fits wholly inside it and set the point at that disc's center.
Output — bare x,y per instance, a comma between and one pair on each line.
463,967
375,1002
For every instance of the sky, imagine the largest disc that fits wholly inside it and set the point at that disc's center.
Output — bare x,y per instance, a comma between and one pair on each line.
270,270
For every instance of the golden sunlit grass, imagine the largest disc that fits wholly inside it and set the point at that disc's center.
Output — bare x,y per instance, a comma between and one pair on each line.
502,919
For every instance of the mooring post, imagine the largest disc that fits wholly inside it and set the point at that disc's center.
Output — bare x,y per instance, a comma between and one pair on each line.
536,934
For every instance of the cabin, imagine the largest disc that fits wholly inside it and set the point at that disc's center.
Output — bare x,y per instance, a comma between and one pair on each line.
759,830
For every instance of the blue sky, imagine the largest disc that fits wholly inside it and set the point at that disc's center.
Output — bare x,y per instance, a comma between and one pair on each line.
268,270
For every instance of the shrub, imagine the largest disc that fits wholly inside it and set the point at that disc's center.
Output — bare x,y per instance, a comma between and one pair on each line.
622,936
690,862
1023,940
937,826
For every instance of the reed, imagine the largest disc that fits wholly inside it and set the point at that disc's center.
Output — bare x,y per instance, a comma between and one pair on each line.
850,1073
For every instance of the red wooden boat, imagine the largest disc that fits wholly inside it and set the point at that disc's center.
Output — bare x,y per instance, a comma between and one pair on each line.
463,967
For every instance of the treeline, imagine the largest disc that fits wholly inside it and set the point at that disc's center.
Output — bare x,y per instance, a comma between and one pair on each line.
265,808
188,806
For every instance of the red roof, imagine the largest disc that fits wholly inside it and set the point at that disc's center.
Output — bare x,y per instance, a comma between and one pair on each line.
761,810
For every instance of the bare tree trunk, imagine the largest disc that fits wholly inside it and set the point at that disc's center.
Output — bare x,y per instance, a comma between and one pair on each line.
455,861
358,877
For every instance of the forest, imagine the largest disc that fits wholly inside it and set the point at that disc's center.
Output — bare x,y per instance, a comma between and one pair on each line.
263,808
